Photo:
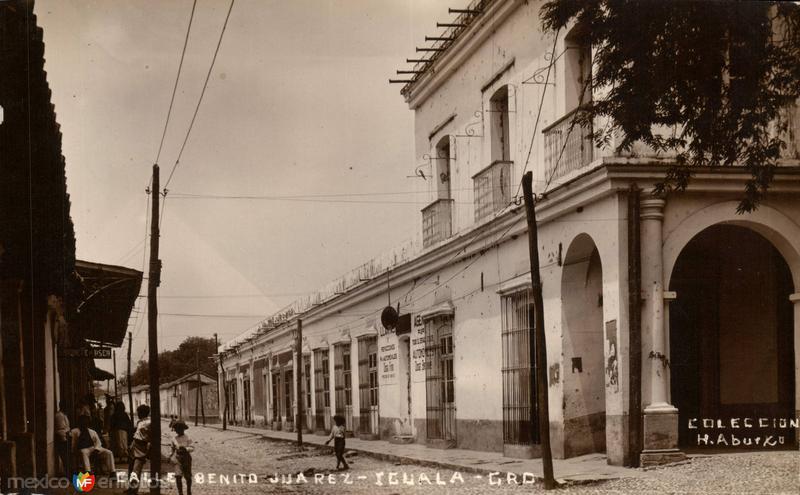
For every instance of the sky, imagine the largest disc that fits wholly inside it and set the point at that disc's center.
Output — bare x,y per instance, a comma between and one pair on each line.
298,103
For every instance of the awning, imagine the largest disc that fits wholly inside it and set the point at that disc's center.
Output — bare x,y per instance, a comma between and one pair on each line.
108,295
99,374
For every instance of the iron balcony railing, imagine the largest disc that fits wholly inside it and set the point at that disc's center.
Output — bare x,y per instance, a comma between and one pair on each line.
567,147
437,222
492,188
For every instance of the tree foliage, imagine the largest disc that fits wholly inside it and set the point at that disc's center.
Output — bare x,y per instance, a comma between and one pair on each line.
718,73
179,362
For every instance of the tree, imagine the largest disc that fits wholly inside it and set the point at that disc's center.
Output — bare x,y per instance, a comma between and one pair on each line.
718,73
180,362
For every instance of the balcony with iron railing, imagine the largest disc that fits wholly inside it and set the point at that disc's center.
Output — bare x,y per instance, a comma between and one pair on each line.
568,147
492,187
437,222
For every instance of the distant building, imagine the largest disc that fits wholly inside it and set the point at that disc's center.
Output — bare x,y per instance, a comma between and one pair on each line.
179,398
717,292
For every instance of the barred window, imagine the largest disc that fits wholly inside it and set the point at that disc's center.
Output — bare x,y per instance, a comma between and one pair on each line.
519,426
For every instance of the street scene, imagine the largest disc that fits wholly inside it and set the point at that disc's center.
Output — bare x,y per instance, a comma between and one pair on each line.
404,246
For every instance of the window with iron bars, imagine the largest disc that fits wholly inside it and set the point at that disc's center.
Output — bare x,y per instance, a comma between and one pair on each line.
440,379
520,425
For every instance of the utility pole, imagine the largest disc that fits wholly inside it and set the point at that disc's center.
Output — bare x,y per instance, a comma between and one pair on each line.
216,351
199,387
114,357
225,393
152,334
538,351
202,406
130,393
301,396
635,324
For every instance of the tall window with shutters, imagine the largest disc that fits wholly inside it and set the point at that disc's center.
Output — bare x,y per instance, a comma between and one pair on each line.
322,409
343,383
368,385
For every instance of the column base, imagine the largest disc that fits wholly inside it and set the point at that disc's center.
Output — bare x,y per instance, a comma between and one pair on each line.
660,428
650,458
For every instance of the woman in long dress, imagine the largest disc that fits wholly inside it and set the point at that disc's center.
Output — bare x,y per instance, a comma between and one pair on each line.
121,430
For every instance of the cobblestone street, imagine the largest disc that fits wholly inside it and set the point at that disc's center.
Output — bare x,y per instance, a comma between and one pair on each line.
225,462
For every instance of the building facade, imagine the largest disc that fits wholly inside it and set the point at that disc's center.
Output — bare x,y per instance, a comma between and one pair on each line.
659,311
54,309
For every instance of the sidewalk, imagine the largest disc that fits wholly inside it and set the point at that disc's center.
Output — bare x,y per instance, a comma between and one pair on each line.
591,467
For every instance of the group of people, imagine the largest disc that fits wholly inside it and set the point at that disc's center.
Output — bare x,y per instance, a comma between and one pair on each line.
101,434
78,448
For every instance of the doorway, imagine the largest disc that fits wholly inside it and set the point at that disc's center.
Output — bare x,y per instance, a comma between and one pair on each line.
731,338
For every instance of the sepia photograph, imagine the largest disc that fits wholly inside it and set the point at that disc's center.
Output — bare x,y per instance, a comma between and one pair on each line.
399,246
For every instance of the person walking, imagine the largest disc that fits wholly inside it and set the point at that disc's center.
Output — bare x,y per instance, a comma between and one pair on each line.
182,451
338,436
62,438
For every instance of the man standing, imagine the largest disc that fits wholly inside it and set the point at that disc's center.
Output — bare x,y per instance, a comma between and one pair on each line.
62,439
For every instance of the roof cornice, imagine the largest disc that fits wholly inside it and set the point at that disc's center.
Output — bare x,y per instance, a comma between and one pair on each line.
457,53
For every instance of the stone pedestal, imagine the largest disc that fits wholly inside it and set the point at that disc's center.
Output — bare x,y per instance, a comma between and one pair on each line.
660,436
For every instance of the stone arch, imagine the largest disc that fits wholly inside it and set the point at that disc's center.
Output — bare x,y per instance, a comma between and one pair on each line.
732,327
772,224
583,348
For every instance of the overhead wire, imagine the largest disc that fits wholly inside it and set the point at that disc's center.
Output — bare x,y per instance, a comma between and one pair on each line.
177,79
202,95
539,111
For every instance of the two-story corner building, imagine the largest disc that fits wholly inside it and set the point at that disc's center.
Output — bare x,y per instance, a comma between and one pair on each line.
660,313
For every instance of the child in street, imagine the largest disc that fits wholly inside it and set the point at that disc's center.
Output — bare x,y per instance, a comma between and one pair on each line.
182,451
140,448
337,435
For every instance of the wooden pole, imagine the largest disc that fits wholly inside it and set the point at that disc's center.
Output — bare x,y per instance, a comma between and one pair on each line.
114,357
130,393
152,331
225,395
202,406
300,395
635,325
216,351
197,392
539,349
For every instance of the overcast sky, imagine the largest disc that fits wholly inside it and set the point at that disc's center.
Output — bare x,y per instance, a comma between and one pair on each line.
298,104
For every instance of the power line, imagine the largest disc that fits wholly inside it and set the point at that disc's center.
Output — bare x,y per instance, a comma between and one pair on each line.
177,78
309,196
305,200
223,316
202,94
232,296
539,111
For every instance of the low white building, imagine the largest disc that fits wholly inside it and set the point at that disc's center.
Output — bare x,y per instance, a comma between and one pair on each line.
708,297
